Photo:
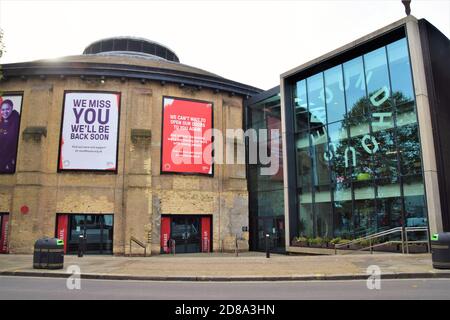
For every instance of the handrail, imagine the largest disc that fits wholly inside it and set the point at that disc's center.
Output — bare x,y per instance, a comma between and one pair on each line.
415,229
139,243
369,237
403,234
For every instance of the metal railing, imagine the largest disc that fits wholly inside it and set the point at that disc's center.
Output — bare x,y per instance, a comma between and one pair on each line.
139,243
403,236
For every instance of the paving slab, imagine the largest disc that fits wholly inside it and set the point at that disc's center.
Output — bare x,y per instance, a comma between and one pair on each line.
227,267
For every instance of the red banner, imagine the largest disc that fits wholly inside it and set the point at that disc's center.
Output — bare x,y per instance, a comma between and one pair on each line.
165,234
206,234
185,139
4,233
61,233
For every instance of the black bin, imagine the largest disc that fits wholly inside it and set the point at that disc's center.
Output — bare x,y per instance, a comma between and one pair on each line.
440,250
48,254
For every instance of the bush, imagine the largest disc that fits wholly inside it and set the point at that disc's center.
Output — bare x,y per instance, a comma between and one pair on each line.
335,240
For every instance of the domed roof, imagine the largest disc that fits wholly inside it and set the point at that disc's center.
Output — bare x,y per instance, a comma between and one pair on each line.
128,58
131,46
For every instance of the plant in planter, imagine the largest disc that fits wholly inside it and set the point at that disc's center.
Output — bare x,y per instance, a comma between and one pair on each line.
316,242
300,241
335,241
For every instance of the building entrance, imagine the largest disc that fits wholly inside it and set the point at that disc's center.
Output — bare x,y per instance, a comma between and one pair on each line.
185,234
97,230
274,227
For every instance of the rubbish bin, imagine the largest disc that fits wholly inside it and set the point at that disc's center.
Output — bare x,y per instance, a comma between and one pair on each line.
440,250
48,254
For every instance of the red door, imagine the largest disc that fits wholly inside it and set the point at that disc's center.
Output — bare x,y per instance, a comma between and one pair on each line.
61,230
165,234
4,225
206,234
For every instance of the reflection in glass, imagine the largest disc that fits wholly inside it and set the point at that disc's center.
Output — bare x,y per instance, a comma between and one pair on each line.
301,107
377,79
359,168
334,94
400,70
266,192
316,100
355,87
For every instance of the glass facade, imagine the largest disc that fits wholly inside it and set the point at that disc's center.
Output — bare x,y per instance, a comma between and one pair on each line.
358,158
266,191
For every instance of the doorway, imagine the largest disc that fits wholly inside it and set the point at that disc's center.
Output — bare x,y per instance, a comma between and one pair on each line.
97,229
185,234
274,226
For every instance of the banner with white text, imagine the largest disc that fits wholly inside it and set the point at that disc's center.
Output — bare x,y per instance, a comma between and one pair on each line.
186,137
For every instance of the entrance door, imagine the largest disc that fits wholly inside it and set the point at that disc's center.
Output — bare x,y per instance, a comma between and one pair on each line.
190,233
4,225
97,229
274,226
185,230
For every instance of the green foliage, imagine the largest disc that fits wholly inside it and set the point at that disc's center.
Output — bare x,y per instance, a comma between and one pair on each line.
301,239
316,241
335,240
344,241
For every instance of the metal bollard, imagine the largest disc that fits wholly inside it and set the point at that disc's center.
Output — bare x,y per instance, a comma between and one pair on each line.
267,246
80,246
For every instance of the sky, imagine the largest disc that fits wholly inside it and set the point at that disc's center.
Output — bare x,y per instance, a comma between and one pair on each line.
251,42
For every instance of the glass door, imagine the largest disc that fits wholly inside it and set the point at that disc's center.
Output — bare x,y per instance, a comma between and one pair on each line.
97,231
185,230
178,233
193,235
274,226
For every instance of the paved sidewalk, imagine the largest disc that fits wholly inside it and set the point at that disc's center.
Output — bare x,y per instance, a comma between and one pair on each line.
226,267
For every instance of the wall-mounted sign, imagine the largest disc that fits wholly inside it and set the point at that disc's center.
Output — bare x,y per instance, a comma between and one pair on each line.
90,131
185,138
10,109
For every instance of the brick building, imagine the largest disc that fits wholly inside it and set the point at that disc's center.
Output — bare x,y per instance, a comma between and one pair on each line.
41,196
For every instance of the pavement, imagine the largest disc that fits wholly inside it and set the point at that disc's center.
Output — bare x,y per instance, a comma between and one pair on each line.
250,266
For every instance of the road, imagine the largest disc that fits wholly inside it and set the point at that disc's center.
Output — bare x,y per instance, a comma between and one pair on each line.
54,288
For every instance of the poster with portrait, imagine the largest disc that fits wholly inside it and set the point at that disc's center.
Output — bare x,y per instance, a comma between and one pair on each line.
90,131
186,144
10,109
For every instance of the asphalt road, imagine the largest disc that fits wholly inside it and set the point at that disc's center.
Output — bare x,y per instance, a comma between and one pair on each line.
53,288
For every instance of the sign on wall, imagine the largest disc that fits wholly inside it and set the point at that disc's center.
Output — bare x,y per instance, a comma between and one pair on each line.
90,128
185,139
10,108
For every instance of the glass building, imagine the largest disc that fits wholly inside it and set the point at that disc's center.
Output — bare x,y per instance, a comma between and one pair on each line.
362,132
266,192
358,166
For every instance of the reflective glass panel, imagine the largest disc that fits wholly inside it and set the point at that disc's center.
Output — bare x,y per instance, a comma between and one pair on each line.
334,94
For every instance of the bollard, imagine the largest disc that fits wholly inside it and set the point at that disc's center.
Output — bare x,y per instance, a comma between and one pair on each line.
81,246
267,246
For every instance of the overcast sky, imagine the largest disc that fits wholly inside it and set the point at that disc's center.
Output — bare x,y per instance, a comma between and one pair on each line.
252,42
